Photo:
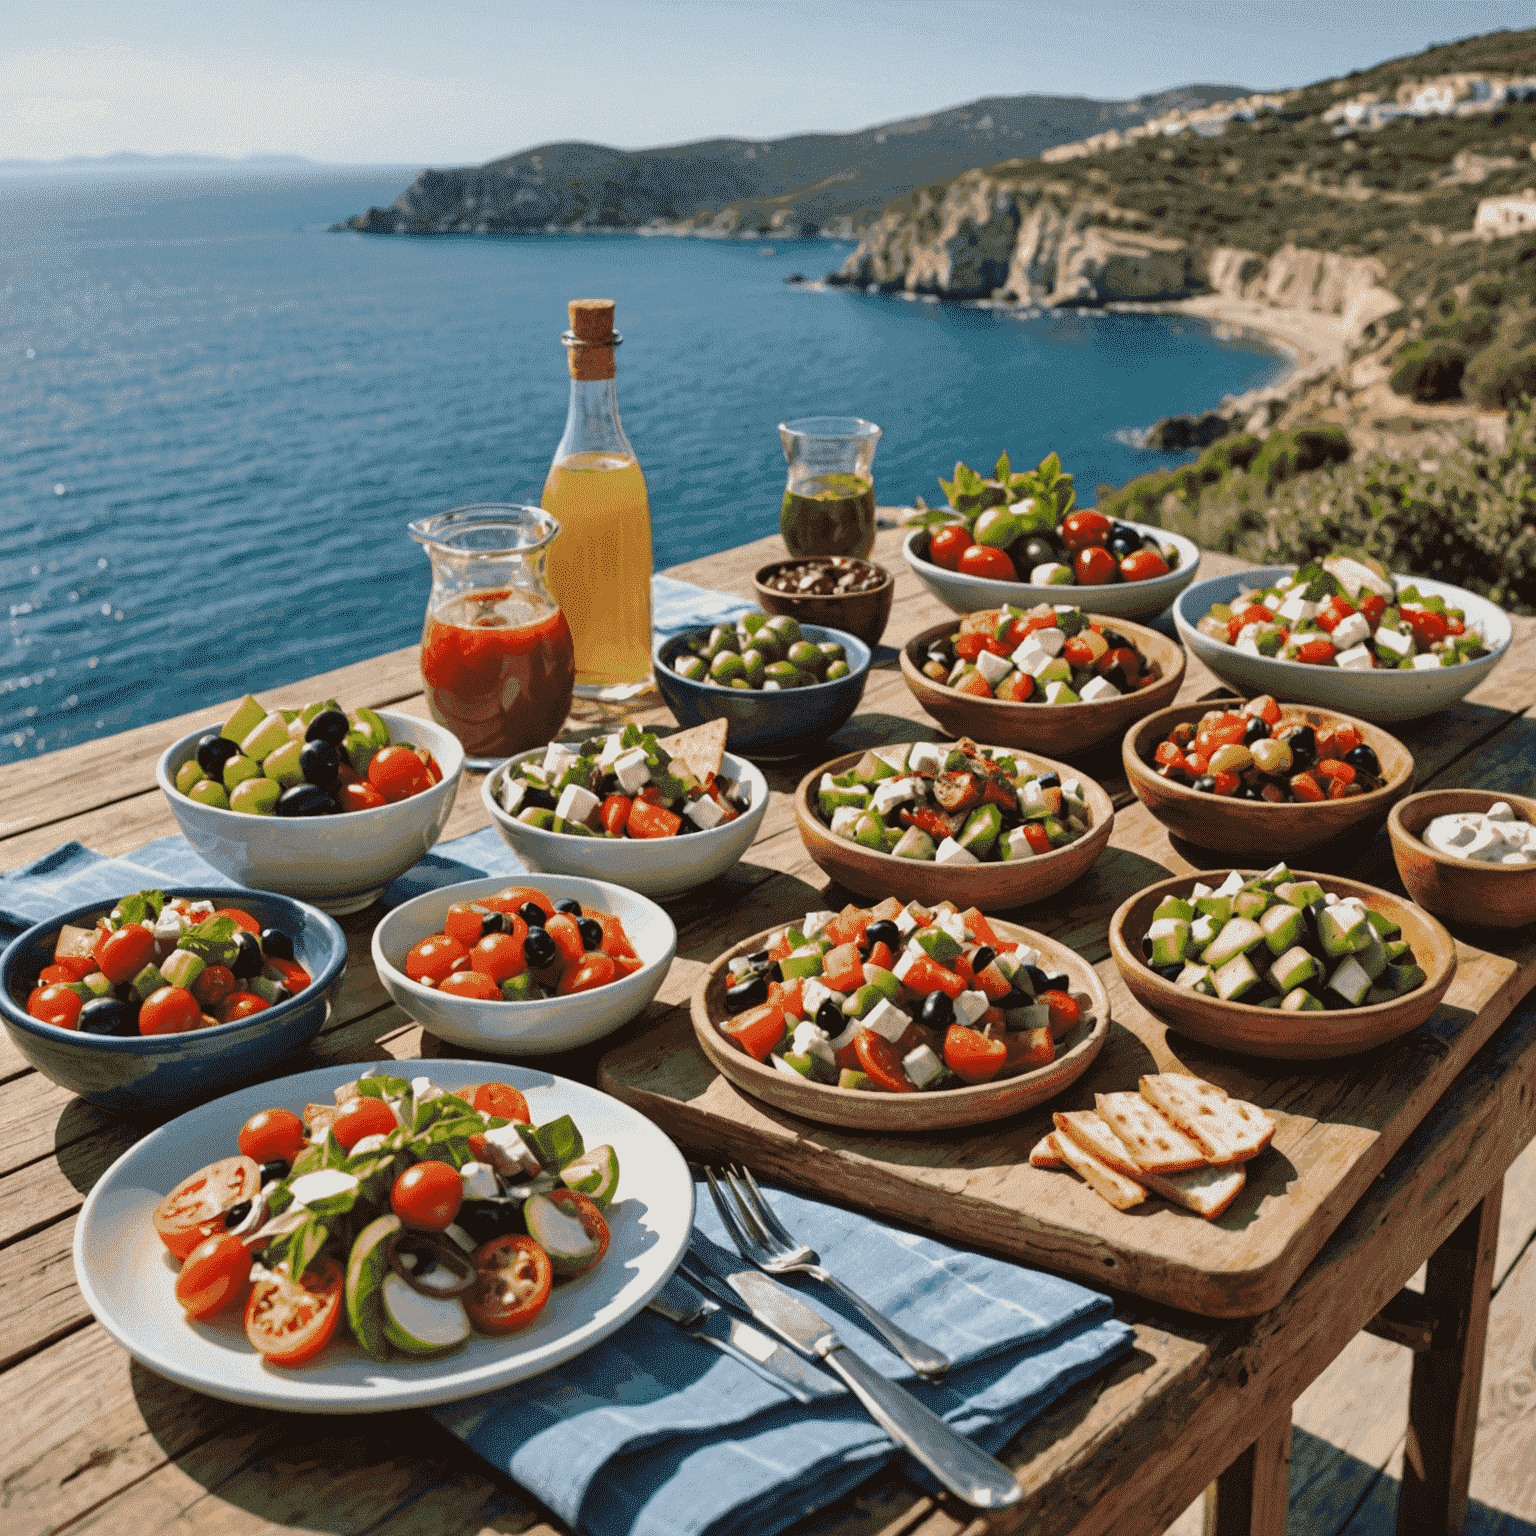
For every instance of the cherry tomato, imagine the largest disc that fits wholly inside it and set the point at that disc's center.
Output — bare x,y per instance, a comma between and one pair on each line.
615,940
464,923
499,955
295,977
972,1056
1143,565
214,983
1315,652
947,545
170,1011
1427,626
122,955
985,561
434,958
882,1062
359,1117
398,773
434,773
594,970
502,1099
240,1005
516,897
193,1211
573,1203
271,1133
60,973
361,797
1064,1012
57,1003
1080,530
567,936
427,1196
291,1323
242,919
475,984
215,1275
1094,566
514,1282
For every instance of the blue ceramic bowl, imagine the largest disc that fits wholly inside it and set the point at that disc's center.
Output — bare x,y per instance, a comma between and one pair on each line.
767,724
157,1074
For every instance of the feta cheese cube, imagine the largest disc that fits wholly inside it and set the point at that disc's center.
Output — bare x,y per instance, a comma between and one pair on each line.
1296,608
1350,631
479,1181
1501,810
845,818
993,667
1049,669
1428,662
954,925
557,759
1026,954
512,792
950,852
811,1040
1230,886
970,1006
816,992
1396,642
632,771
613,750
168,926
1026,653
704,812
1098,688
907,959
890,793
1357,658
424,1090
1018,845
507,1139
922,1066
927,757
886,1019
906,923
1049,640
575,803
815,922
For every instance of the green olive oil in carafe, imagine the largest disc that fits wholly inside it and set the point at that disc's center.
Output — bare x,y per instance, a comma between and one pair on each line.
829,515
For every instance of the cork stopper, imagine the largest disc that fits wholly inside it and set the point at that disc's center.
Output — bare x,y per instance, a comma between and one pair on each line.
590,343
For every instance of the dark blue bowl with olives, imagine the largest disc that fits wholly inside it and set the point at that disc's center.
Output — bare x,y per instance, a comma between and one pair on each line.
810,696
156,1075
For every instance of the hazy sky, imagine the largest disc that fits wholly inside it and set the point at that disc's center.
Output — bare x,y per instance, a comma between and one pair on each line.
463,81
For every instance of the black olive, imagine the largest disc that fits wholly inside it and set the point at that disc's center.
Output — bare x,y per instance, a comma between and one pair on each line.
1058,984
539,799
1039,550
213,751
1034,976
569,905
1206,784
248,961
865,949
275,1168
235,1214
487,1219
532,914
1122,541
1363,759
1115,640
937,1012
983,958
1302,740
494,922
320,763
276,945
1014,1000
831,1018
884,932
1171,972
758,958
748,993
591,932
1146,947
539,949
775,971
1257,729
330,725
1051,780
305,800
108,1016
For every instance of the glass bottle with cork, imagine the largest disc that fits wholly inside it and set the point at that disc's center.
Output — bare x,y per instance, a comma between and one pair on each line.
600,562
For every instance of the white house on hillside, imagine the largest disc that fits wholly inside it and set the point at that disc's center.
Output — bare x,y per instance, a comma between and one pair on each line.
1506,215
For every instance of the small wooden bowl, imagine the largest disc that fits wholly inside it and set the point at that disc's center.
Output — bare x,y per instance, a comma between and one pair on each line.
897,1114
1269,1031
864,614
992,887
1254,826
1043,727
1487,895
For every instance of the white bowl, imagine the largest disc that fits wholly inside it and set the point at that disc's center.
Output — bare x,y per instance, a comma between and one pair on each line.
541,1025
654,866
1380,694
337,863
1120,599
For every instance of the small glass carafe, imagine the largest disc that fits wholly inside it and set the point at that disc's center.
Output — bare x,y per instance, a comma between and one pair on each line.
829,498
496,655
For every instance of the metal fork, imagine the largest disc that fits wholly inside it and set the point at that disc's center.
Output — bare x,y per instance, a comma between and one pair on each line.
762,1239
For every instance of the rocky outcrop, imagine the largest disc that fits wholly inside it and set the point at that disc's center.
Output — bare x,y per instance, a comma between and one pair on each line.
1351,287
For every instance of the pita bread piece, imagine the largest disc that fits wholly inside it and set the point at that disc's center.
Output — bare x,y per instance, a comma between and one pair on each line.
1092,1135
1121,1192
700,748
1226,1130
1208,1191
1155,1145
1044,1154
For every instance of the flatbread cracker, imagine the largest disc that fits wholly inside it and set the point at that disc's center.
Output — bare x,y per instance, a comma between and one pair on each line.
1121,1192
1093,1135
1044,1154
700,748
1207,1191
1154,1144
1227,1130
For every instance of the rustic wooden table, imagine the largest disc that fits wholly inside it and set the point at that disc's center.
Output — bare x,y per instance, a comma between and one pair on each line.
1392,1162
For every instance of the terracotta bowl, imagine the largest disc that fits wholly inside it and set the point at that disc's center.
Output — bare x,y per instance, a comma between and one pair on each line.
1268,831
1269,1031
900,1113
1487,895
992,887
864,614
1043,727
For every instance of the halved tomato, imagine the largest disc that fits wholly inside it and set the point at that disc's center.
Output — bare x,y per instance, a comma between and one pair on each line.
193,1210
292,1322
514,1280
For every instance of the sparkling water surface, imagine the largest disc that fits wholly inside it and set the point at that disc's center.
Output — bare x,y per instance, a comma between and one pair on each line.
216,417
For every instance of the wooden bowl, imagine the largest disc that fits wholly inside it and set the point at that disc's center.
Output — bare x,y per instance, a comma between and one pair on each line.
1487,895
1270,832
1270,1031
992,887
864,614
1059,728
899,1113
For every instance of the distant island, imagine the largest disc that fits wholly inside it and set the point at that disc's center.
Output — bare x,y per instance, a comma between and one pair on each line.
129,160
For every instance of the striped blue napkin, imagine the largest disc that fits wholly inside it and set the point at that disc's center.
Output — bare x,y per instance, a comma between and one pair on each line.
679,605
654,1434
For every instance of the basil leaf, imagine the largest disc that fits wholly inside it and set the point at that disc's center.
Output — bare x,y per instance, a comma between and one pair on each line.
306,1162
213,940
382,1087
304,1247
141,905
332,1153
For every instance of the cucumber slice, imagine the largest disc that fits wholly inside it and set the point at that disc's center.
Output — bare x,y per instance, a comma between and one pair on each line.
849,1077
914,844
556,1143
421,1325
366,1268
594,1174
245,719
1251,904
1237,937
562,1235
1174,906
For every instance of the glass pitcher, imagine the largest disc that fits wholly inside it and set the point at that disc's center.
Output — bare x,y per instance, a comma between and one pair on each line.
829,498
496,653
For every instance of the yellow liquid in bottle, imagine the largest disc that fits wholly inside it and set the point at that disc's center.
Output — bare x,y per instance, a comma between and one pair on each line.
599,567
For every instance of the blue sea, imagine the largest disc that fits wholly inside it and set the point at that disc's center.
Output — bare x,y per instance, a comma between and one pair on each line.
216,417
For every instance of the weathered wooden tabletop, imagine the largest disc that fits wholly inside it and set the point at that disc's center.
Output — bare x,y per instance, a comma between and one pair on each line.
100,1441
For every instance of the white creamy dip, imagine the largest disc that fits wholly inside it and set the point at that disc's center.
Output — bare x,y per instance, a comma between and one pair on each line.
1494,836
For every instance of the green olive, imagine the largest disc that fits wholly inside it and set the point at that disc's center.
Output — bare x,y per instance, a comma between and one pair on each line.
785,628
742,683
832,650
806,656
786,674
769,644
838,669
755,664
189,775
752,622
721,638
692,667
725,666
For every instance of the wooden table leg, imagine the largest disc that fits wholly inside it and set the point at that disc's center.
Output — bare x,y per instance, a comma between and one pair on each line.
1448,1377
1250,1497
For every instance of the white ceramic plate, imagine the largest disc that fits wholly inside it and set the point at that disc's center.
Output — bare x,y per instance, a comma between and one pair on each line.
127,1277
1124,599
1379,694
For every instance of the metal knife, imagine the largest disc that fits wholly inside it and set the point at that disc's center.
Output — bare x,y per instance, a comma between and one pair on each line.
959,1464
696,1314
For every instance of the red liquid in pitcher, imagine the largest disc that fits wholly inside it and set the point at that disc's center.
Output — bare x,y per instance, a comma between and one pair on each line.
498,671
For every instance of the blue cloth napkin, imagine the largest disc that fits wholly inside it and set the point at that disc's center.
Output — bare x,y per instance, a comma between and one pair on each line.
679,605
653,1434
